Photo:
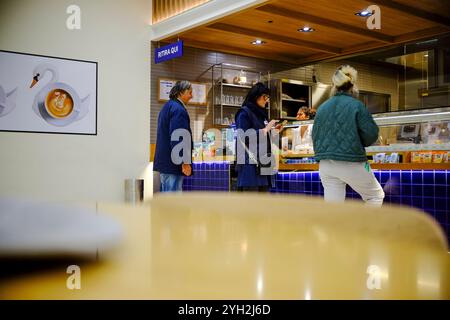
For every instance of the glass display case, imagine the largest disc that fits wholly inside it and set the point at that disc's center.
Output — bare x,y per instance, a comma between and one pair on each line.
408,137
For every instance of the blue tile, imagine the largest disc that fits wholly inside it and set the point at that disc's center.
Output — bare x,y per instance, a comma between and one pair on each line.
428,191
315,187
441,217
396,199
407,201
439,178
315,177
417,177
308,177
441,203
417,190
428,203
440,191
417,202
428,177
301,186
406,177
384,177
395,177
406,190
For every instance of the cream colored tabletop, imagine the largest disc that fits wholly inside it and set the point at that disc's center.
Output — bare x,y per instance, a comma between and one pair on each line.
248,246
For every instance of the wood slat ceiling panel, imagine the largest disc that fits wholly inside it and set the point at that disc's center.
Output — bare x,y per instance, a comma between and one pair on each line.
440,7
288,27
393,23
338,30
225,39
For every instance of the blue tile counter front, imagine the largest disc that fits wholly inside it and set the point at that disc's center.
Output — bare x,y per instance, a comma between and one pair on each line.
423,189
208,176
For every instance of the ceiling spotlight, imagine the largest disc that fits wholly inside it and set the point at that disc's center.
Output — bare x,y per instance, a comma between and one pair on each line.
426,55
306,29
258,42
364,13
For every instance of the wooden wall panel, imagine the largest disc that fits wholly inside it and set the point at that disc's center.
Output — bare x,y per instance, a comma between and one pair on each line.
164,9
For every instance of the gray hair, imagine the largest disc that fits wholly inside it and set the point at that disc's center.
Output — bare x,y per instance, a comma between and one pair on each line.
179,87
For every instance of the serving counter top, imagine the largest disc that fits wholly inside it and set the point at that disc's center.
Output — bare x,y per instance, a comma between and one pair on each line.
192,246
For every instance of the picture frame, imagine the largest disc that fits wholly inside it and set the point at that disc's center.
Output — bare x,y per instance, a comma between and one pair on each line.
47,94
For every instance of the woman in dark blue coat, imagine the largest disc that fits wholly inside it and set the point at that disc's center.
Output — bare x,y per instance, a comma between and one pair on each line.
252,120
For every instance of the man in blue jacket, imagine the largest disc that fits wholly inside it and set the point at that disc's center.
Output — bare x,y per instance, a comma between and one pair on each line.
173,155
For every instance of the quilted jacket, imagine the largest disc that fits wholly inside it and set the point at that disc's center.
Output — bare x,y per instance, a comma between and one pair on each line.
342,128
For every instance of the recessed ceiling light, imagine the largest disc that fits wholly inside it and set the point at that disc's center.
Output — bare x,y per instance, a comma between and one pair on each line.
258,42
306,29
364,13
425,55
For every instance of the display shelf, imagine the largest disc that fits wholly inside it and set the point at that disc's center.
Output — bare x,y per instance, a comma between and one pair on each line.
234,85
294,100
222,77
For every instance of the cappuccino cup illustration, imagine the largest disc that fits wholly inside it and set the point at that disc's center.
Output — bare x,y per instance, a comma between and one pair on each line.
57,102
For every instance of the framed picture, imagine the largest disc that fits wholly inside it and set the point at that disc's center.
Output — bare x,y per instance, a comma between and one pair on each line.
45,94
198,91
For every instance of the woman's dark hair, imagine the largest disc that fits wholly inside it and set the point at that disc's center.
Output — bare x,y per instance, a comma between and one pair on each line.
178,88
345,87
255,92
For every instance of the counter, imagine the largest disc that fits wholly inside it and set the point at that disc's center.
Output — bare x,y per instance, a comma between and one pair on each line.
192,246
423,186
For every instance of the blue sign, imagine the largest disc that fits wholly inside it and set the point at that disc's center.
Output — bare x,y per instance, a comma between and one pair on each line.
173,50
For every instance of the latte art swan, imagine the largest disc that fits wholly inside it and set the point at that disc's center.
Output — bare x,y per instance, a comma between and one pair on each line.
57,102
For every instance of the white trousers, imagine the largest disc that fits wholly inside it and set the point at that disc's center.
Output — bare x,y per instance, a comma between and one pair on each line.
335,175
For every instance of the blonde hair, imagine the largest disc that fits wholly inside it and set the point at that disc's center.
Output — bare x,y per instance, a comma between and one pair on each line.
344,79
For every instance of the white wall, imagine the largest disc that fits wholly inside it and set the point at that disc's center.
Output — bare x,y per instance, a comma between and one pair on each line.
115,33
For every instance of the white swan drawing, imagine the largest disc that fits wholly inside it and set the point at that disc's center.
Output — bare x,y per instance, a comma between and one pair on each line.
80,106
7,101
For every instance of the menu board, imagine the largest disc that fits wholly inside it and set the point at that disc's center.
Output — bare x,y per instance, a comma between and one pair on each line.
198,91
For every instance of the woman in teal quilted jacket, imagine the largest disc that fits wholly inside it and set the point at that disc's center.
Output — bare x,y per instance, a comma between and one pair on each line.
343,127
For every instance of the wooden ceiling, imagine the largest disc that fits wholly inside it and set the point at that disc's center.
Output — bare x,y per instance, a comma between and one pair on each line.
338,31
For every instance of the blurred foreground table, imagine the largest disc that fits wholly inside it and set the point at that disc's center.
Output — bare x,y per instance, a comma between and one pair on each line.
250,246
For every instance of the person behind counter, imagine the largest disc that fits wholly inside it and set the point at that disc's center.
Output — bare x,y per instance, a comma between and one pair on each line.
342,128
305,113
253,115
173,116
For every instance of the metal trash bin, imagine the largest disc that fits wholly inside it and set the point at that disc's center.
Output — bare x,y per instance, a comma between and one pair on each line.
134,190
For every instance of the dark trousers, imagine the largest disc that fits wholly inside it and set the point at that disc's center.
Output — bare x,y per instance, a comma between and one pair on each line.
254,189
